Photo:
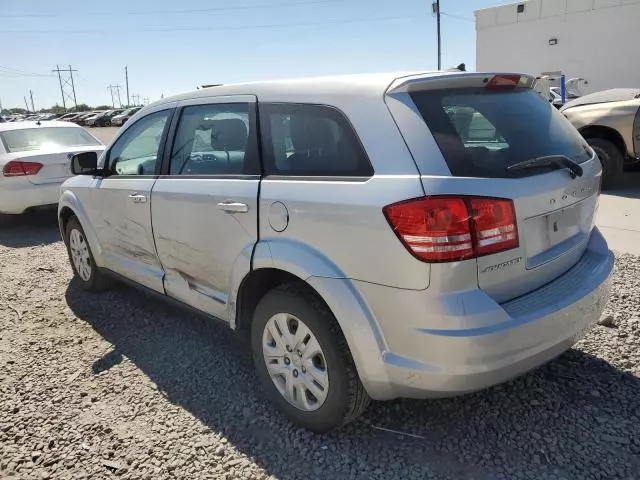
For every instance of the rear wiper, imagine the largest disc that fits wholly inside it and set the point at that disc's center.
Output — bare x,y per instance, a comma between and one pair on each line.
557,161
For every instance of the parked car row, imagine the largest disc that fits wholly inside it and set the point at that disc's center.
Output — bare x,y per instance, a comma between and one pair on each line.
101,118
30,118
94,118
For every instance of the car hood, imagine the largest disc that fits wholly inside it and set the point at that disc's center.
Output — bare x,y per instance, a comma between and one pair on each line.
605,96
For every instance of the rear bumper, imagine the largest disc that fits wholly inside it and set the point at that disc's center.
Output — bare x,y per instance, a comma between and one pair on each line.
488,343
18,195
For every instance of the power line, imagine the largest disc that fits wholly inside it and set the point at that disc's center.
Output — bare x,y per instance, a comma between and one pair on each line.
458,17
219,28
21,73
172,12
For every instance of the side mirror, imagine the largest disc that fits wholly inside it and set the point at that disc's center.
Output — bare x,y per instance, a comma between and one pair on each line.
84,163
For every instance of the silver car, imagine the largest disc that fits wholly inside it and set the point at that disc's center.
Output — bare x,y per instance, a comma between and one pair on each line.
375,236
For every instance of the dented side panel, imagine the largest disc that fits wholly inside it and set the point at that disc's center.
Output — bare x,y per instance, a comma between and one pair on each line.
124,228
200,245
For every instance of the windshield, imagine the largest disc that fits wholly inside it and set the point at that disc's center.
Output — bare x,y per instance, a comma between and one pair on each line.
481,132
46,138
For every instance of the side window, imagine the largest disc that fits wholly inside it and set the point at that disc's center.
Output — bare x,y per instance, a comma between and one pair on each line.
136,151
311,140
215,139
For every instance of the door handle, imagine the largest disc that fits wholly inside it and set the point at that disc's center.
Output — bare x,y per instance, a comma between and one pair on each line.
233,207
138,198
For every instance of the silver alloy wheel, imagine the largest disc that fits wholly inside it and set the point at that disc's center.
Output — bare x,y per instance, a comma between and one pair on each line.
295,362
80,254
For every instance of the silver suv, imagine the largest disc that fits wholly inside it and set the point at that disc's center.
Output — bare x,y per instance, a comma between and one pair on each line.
376,236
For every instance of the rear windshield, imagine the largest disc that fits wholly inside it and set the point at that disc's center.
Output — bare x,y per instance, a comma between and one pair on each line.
481,132
46,138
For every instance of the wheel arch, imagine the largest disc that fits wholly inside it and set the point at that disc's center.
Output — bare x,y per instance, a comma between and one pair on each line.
69,206
323,280
606,133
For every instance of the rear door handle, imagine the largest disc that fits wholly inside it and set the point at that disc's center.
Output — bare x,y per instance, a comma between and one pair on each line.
138,198
233,207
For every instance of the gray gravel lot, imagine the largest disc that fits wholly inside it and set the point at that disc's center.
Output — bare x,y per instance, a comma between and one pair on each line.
104,134
120,385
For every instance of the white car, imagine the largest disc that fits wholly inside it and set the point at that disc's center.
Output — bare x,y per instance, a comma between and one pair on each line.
35,160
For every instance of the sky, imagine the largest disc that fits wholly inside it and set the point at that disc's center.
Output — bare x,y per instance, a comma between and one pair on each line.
172,47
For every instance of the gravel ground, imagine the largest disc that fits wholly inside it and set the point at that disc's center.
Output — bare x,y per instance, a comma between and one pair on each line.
119,385
104,134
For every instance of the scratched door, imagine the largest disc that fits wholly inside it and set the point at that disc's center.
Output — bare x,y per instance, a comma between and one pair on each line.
120,206
204,206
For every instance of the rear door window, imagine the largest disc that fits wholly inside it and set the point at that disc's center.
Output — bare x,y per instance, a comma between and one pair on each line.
481,131
214,139
310,141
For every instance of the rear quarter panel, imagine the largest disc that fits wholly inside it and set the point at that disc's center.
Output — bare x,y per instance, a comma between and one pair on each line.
337,226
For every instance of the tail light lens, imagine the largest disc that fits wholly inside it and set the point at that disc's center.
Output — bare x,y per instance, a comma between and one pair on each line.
17,168
447,229
494,222
502,81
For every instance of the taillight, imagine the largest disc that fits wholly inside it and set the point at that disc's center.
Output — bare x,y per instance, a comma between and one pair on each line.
447,229
494,222
17,168
504,81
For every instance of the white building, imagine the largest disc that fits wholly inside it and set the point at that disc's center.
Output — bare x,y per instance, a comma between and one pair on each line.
598,40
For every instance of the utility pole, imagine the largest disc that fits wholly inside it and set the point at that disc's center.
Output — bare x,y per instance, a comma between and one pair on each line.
126,76
64,105
25,103
33,107
435,8
73,87
67,87
115,91
110,88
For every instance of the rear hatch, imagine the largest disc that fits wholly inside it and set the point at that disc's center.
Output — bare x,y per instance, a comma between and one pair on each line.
498,138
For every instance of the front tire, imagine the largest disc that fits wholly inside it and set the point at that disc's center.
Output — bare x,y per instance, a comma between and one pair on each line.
611,159
84,267
303,361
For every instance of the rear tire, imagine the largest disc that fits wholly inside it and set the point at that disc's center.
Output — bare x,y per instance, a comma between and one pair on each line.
84,267
328,392
611,159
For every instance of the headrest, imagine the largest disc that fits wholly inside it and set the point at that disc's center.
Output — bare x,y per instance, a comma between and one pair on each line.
311,133
229,134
